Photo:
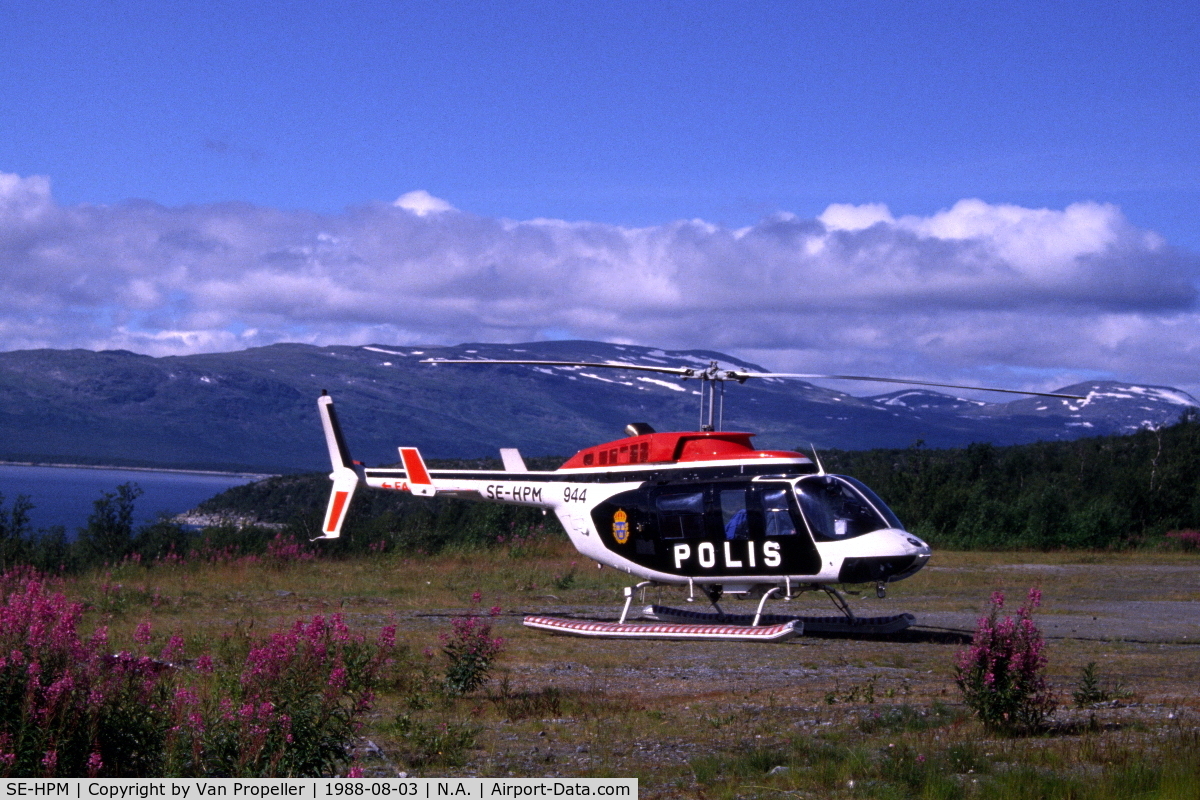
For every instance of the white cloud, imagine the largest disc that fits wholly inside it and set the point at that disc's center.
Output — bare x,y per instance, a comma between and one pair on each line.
422,203
1044,294
845,217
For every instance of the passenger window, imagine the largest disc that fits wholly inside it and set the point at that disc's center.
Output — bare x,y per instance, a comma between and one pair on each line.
777,517
733,514
681,515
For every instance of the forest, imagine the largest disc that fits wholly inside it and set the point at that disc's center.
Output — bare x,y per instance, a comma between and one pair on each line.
1110,492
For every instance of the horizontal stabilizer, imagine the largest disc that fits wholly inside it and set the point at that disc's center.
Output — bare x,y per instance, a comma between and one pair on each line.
419,482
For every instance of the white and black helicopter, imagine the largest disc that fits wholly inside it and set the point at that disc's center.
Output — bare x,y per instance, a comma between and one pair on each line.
699,509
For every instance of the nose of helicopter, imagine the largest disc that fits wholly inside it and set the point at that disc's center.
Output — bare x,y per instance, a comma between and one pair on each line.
915,547
898,555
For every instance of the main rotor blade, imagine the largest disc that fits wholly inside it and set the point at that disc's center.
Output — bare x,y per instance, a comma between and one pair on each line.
739,374
683,372
715,373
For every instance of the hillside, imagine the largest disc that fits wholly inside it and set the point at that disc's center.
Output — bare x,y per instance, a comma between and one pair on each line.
255,409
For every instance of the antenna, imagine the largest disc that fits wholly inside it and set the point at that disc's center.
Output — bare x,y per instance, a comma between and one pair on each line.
817,458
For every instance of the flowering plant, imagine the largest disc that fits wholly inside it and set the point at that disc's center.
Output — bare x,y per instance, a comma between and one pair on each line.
1188,539
292,710
470,650
69,705
1002,675
288,705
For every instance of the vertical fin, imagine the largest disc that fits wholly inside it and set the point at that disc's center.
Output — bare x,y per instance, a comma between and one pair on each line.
345,475
513,462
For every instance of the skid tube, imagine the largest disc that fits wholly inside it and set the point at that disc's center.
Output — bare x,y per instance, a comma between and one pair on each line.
666,630
710,630
874,626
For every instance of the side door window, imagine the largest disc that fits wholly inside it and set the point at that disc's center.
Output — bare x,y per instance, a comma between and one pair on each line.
776,512
681,514
735,520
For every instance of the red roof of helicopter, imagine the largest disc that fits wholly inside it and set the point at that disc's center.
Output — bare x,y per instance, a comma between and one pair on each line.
677,447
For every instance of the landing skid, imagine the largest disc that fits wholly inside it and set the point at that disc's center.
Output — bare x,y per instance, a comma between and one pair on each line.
695,630
678,624
811,625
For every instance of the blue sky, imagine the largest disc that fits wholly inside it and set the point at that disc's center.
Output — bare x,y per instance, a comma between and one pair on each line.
309,120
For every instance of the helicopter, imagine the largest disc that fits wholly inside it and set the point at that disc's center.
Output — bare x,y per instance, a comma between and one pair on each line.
699,509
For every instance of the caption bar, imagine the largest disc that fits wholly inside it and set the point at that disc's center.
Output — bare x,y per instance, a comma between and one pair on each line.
321,788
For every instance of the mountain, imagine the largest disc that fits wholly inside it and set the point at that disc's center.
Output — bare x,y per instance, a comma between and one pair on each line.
256,409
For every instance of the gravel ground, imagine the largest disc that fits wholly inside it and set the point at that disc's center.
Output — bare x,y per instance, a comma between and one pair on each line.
650,708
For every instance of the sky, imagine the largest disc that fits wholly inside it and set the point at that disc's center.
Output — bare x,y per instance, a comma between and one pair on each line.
998,193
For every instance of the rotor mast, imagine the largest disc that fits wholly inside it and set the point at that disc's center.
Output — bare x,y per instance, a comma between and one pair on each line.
712,398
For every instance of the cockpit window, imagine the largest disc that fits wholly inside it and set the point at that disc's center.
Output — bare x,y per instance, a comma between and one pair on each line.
836,508
880,506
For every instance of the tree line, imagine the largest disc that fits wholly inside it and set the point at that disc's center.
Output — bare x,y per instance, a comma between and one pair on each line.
1109,492
1103,492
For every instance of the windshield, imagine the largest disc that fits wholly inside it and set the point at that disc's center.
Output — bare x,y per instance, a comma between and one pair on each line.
838,508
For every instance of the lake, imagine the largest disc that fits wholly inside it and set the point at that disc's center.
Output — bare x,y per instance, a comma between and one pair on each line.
64,495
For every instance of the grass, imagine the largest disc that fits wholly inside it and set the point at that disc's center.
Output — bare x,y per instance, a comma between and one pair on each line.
815,717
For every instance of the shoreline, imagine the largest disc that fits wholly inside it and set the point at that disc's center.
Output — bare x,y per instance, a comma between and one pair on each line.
212,472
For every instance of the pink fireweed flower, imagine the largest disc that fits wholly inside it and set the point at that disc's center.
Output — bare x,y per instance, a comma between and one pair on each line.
99,638
387,637
94,764
186,697
1035,598
142,634
1001,675
173,649
205,664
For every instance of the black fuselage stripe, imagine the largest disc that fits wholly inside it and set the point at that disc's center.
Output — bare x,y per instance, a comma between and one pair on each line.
668,474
